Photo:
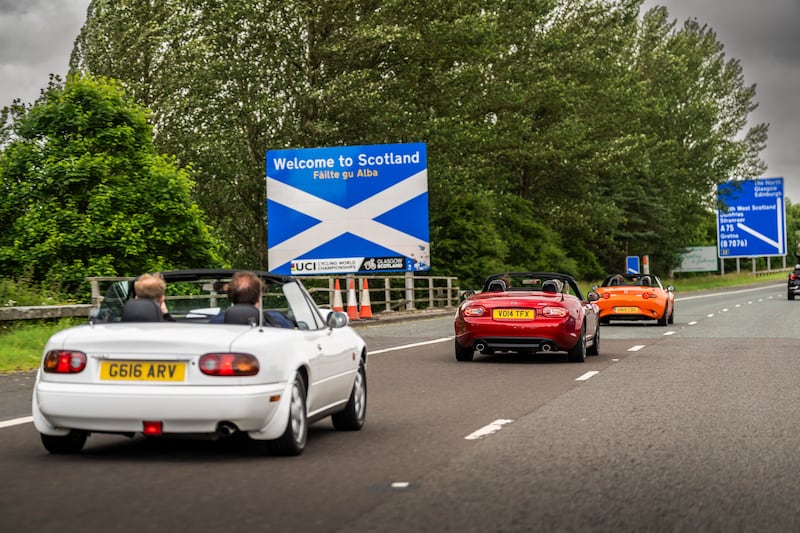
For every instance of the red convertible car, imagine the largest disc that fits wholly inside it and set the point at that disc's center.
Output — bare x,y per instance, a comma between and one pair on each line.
528,312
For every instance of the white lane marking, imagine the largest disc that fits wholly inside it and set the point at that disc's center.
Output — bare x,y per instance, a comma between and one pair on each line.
725,293
16,422
414,345
636,348
669,333
738,305
710,315
693,322
488,429
615,360
590,374
725,310
400,485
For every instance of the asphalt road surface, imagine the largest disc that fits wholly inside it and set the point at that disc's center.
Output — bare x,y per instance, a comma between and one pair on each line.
689,427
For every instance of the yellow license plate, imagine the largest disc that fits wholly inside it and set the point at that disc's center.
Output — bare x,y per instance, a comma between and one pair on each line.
142,371
626,309
513,314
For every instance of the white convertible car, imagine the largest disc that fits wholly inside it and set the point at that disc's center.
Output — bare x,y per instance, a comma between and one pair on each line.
292,365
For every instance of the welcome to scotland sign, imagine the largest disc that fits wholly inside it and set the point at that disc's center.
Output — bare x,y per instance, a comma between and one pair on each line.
349,209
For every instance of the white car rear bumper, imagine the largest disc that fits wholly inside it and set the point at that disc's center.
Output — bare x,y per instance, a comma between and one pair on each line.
60,407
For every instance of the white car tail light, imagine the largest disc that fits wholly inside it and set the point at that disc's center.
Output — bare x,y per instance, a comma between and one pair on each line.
229,364
64,362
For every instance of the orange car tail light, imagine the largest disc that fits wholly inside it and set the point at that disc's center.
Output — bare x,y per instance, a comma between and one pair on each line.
229,364
554,312
64,362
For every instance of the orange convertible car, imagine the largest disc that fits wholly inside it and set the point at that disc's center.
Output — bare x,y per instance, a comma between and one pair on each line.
636,297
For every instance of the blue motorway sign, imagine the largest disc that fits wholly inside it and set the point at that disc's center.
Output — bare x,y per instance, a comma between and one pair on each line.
753,222
632,264
348,209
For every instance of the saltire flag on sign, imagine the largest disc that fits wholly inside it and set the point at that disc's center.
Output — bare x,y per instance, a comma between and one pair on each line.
348,209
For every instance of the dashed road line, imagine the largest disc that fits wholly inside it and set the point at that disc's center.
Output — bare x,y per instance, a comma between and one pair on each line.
488,429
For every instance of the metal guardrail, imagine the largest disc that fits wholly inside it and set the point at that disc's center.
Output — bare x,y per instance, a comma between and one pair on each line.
37,312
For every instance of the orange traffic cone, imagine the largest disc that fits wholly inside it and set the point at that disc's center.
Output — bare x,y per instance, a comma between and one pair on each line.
366,308
352,308
337,297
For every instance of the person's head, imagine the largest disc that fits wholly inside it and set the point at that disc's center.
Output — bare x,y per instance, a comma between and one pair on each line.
150,286
244,288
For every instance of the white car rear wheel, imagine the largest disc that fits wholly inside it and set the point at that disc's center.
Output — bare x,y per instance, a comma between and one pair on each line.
65,444
293,440
355,413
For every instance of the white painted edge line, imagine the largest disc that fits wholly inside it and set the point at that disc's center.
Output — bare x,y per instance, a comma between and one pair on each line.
405,346
666,333
636,348
693,322
488,429
16,422
682,298
589,375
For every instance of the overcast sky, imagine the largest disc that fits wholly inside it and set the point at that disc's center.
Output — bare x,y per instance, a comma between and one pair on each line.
36,38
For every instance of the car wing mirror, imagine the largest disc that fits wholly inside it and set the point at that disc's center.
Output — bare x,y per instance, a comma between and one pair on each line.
336,319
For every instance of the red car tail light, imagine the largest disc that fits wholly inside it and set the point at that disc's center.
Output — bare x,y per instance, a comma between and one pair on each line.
647,295
64,362
474,310
793,277
554,312
606,295
229,364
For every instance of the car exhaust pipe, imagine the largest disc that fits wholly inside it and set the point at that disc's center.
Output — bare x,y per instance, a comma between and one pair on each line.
546,347
226,429
480,347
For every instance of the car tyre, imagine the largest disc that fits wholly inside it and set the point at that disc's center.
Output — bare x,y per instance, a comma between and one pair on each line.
293,440
578,352
663,320
671,319
790,295
464,354
594,349
355,412
65,444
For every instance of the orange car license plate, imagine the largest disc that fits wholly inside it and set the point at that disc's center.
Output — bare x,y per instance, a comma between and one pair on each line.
623,310
142,371
513,314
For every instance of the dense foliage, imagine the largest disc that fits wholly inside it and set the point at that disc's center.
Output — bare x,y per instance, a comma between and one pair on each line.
85,194
561,134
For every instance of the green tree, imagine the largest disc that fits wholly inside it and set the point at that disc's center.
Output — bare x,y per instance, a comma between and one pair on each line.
85,193
607,130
